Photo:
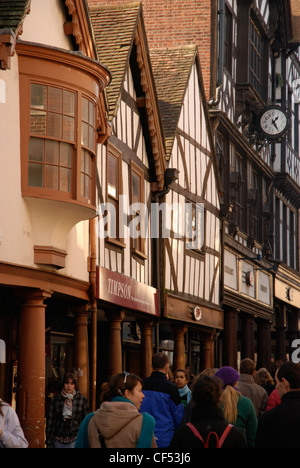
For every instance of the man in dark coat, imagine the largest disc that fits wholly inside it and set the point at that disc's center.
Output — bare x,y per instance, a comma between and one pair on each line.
162,401
280,427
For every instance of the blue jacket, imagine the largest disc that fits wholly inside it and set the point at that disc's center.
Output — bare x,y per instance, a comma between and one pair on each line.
163,402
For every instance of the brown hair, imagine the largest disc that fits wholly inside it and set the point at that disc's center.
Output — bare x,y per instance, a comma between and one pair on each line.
117,385
247,366
70,376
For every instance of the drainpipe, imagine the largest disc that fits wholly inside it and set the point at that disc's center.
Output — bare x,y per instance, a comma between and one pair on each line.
93,301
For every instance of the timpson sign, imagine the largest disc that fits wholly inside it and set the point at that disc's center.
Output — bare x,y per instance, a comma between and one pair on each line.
123,291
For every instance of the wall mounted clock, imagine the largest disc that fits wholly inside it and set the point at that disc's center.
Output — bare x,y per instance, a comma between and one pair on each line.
273,122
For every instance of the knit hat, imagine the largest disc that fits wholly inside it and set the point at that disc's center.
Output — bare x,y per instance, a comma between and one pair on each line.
228,374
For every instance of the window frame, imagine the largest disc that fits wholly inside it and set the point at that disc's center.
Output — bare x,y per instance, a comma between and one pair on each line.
138,249
112,151
63,70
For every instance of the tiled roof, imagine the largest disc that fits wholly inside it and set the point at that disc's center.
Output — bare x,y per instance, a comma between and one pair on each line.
295,13
171,70
114,29
12,13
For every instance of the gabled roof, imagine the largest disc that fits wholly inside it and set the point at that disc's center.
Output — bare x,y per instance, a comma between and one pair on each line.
114,30
171,71
172,68
117,30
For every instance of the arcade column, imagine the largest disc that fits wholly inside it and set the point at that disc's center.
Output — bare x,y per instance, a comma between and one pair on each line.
32,367
230,337
81,349
247,336
115,342
179,347
146,347
263,344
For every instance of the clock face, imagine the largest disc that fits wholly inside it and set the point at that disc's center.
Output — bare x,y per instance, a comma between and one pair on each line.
273,122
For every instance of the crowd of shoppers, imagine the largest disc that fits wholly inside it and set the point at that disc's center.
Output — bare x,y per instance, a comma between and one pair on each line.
218,408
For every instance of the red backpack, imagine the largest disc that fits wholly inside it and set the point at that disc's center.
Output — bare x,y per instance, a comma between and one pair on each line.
206,443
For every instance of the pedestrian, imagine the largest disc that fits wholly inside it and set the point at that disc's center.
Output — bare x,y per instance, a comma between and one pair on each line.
273,400
263,378
250,389
181,380
118,422
238,409
66,413
162,400
206,418
11,433
280,427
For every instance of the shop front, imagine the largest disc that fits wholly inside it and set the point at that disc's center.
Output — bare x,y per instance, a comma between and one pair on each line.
127,316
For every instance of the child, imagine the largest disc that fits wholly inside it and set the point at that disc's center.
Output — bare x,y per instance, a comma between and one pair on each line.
181,380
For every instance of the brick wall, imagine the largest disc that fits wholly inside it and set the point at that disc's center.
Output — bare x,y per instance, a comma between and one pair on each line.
170,23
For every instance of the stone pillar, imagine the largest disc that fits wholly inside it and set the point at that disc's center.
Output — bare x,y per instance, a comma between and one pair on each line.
115,342
146,347
32,367
263,344
247,337
81,349
230,337
179,348
207,354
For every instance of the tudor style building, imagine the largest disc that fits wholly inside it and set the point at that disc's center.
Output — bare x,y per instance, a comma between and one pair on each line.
250,59
190,241
53,112
131,167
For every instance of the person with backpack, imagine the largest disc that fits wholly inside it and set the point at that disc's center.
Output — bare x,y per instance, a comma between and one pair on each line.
237,409
207,427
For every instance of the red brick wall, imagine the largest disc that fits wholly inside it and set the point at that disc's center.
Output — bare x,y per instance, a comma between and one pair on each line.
170,23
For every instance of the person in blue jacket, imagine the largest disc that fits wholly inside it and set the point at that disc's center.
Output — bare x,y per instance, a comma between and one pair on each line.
162,400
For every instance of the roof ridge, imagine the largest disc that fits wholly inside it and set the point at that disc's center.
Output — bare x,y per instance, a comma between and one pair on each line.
107,6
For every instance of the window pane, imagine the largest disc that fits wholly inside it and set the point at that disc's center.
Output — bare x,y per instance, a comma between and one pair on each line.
91,138
82,184
65,180
38,96
84,134
85,110
65,154
112,176
35,175
68,128
38,122
69,103
36,149
87,163
91,113
136,185
52,151
51,177
55,100
87,187
54,125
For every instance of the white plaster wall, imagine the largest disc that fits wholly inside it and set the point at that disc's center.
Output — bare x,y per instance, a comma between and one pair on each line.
44,24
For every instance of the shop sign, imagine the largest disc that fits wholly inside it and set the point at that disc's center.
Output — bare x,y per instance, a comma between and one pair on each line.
126,292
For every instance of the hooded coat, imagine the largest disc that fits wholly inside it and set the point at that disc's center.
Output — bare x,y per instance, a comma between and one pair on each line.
119,422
